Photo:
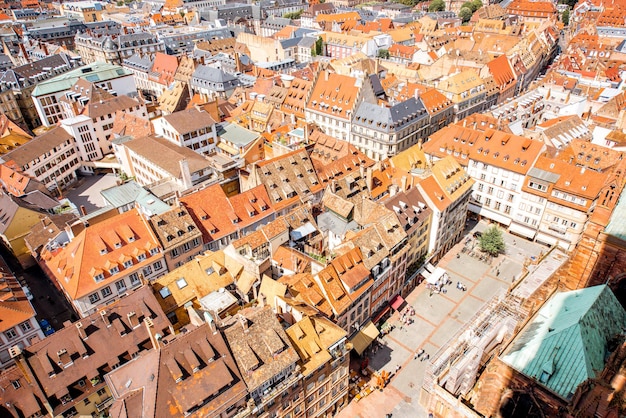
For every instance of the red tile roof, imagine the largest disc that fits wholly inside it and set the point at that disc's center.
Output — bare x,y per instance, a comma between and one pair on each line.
496,148
164,68
334,94
501,70
212,211
98,249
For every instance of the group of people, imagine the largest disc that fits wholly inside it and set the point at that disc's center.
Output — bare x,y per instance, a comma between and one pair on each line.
405,316
421,354
461,286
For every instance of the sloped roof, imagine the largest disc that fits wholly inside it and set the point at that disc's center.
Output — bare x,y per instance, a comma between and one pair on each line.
566,342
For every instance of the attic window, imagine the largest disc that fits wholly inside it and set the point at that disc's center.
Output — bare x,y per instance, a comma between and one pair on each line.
118,245
165,292
98,277
103,251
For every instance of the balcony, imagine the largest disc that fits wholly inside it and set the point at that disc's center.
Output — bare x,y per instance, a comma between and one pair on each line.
104,404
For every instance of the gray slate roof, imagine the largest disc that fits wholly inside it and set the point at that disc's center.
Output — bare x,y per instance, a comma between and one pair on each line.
385,118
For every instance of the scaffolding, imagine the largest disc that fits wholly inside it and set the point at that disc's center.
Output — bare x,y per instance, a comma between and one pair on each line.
455,366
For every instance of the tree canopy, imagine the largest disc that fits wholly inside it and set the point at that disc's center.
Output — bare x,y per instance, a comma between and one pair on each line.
565,17
465,14
491,241
437,6
383,53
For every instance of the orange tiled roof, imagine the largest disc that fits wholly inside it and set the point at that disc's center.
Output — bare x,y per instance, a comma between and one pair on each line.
434,101
98,249
212,211
251,206
532,8
164,68
13,181
335,159
14,306
510,152
334,94
501,70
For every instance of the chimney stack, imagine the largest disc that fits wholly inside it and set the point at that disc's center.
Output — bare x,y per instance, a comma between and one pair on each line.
105,318
154,337
81,331
133,320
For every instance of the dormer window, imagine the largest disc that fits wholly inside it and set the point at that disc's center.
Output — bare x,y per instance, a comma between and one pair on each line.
114,270
189,228
180,233
154,251
98,277
103,251
128,264
141,257
118,245
131,239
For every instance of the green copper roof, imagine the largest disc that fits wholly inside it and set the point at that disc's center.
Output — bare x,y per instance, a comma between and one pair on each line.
94,72
617,224
566,342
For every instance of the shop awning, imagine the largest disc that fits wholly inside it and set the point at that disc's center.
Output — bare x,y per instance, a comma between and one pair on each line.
522,230
397,302
364,337
437,274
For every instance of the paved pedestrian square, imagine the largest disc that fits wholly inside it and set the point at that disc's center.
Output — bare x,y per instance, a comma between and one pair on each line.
437,318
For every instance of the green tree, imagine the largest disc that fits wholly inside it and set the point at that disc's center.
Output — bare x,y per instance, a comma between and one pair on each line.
437,6
319,46
491,241
383,53
465,14
477,4
293,15
565,17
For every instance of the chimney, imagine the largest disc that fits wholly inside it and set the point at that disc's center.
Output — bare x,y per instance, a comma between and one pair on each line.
244,323
261,300
133,320
105,318
81,331
404,182
184,173
325,75
333,186
45,48
368,178
83,210
154,337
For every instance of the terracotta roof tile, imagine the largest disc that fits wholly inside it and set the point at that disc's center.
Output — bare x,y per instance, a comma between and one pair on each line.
98,248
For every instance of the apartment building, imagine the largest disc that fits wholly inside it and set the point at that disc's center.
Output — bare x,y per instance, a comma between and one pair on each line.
191,374
290,180
50,158
152,159
324,364
66,371
179,236
106,259
193,128
19,325
447,189
333,101
212,83
223,219
21,81
440,109
267,362
467,91
84,11
115,49
496,160
47,93
347,285
381,132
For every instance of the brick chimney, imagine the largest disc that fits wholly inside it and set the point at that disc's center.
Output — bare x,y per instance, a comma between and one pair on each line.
133,320
81,331
105,318
154,337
